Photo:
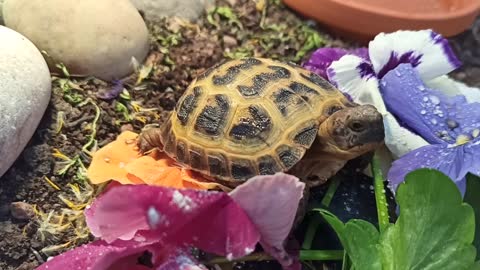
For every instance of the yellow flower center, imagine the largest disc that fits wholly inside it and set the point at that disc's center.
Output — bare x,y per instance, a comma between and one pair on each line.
462,139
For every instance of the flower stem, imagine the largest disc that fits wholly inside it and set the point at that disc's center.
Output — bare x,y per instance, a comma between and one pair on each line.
321,255
316,219
332,188
311,255
380,198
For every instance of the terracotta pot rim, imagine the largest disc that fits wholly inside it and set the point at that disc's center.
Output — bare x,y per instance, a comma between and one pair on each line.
472,7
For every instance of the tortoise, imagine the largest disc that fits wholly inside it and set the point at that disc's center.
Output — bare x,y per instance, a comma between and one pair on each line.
258,116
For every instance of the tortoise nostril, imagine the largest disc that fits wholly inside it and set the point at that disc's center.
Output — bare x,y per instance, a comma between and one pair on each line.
357,126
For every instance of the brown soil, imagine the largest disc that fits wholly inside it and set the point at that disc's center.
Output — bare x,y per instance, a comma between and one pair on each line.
178,54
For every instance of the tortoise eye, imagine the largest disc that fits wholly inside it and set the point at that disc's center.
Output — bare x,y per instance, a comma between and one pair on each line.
357,126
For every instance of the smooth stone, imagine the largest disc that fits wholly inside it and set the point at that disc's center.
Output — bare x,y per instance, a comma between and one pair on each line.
22,210
25,89
1,12
155,10
89,37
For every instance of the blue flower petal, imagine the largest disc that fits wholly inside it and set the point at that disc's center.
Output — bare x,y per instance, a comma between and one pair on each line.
323,57
455,162
435,116
466,118
425,50
418,107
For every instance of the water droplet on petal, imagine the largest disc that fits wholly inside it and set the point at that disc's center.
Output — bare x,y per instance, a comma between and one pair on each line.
425,99
475,133
452,123
423,112
435,100
421,88
433,121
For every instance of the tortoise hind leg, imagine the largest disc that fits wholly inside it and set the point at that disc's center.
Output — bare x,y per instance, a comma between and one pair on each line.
149,140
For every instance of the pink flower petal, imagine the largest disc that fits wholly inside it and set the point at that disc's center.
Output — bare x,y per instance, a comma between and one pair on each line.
271,202
181,260
100,255
209,220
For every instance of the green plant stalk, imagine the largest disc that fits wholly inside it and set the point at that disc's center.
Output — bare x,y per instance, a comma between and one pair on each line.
321,255
311,255
381,200
316,219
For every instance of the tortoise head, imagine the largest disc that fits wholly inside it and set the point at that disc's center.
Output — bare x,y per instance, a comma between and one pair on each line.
352,131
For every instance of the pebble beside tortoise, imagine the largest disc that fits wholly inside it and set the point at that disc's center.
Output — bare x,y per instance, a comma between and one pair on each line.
257,116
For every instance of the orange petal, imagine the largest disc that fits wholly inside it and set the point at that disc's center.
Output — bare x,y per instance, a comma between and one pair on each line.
110,161
154,172
121,161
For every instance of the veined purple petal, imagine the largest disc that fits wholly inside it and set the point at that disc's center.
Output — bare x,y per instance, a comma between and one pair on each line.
396,59
447,50
321,59
425,50
455,162
351,74
436,117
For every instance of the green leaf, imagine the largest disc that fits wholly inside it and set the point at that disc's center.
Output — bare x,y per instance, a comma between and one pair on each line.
472,197
475,266
435,229
359,239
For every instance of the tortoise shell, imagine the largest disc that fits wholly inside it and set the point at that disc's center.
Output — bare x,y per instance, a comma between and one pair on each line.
249,117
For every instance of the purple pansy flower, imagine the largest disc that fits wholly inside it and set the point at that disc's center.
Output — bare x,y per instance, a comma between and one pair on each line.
322,58
449,123
430,58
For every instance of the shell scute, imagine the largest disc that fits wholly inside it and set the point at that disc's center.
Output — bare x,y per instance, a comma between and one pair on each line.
251,123
212,118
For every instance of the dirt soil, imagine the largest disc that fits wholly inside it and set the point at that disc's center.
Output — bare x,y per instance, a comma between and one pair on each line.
85,114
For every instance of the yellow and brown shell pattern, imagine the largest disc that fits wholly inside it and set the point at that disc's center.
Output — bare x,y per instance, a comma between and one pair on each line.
249,117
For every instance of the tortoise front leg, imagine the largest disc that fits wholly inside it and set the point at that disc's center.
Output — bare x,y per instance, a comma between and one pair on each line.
150,139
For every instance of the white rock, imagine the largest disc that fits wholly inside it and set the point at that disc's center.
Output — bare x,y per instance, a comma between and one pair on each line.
155,10
90,37
25,89
1,12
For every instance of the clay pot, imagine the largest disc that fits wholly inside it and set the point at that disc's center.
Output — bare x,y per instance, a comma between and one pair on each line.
363,19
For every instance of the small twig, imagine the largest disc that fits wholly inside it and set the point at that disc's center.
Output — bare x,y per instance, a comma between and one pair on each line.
79,121
94,125
37,255
380,198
